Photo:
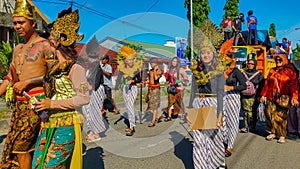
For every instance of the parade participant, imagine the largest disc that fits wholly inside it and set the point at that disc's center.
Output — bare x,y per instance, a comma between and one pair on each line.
107,73
208,147
235,83
176,77
281,81
154,92
252,28
59,142
129,75
94,120
26,75
250,102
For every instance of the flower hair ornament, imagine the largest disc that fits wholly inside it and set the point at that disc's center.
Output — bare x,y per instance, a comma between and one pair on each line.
65,28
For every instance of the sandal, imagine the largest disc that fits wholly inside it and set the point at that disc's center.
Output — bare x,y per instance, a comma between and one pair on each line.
129,129
168,119
281,140
158,120
270,137
130,132
244,130
228,152
93,138
151,124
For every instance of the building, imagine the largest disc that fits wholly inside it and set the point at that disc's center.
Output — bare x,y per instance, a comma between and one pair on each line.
6,25
111,47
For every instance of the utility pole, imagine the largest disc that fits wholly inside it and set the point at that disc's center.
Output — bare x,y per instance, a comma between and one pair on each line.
192,31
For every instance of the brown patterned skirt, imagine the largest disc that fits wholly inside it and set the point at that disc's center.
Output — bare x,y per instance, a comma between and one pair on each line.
22,134
277,118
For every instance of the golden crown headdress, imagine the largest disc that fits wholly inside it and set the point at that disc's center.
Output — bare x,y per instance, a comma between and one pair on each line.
22,8
127,52
65,28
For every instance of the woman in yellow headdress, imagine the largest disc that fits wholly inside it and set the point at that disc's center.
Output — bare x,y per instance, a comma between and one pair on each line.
129,75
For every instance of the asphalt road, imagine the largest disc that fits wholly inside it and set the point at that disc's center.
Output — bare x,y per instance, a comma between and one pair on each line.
169,145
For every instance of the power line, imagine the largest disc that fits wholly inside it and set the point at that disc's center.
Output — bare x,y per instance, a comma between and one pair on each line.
66,2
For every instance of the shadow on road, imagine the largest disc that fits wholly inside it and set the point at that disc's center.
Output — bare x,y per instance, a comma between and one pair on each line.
183,149
2,137
93,158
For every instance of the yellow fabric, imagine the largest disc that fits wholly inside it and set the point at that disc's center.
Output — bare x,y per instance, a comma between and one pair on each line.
76,161
64,90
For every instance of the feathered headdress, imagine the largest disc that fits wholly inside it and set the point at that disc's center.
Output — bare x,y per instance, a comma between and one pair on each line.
127,52
22,8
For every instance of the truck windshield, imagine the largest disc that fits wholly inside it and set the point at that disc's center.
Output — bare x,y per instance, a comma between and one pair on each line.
241,55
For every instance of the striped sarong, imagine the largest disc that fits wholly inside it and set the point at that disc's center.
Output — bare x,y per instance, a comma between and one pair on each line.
129,96
208,148
231,113
92,111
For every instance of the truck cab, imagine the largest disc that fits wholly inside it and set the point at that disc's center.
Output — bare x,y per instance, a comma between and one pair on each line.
264,62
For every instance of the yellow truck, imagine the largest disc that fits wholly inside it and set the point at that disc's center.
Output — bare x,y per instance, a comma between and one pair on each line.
264,61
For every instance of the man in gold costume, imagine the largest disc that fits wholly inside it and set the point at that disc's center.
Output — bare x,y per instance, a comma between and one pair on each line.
26,75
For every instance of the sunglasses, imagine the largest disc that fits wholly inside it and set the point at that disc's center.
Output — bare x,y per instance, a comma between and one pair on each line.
278,60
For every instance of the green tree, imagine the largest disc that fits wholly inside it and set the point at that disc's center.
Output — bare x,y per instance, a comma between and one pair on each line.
6,51
231,7
272,30
296,52
200,11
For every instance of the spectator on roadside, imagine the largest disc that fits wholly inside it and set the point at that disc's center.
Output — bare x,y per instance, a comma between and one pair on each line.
235,83
281,80
250,102
252,28
227,25
176,76
154,92
107,73
237,28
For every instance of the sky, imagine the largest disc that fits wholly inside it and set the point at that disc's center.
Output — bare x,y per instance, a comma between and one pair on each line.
155,21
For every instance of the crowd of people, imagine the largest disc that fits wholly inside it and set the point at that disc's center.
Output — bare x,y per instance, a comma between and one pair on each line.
49,67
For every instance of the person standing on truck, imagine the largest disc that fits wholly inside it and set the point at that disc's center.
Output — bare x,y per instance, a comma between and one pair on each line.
252,28
227,26
237,28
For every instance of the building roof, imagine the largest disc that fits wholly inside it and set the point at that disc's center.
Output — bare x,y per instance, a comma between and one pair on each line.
150,50
45,19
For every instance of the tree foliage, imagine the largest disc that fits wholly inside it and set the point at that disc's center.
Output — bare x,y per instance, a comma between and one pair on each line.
231,7
6,52
200,11
272,30
296,52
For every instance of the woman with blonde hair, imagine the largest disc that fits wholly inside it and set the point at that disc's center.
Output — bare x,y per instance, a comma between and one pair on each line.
281,82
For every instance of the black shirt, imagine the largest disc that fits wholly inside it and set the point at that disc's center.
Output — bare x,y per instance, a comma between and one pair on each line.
237,80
